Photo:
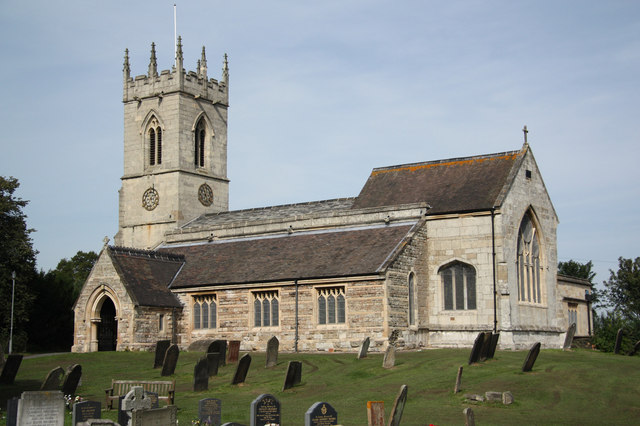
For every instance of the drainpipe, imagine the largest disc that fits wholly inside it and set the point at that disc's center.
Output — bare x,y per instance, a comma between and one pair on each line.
493,254
587,297
295,344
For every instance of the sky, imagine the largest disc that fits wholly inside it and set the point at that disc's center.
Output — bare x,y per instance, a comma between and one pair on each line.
323,92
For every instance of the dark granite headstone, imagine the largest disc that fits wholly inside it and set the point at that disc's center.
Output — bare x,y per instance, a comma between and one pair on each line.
635,349
10,369
242,369
477,347
170,360
166,416
210,410
531,357
161,350
494,344
201,375
364,348
486,344
389,360
469,419
213,362
52,381
265,410
456,389
272,352
398,407
616,348
123,416
12,411
233,351
321,414
154,397
41,408
569,337
85,410
72,379
293,376
219,346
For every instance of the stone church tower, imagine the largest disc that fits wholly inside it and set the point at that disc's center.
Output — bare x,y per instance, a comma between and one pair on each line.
175,149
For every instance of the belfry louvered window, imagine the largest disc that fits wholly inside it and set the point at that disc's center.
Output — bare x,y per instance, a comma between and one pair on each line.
331,305
528,262
199,143
204,312
155,143
266,310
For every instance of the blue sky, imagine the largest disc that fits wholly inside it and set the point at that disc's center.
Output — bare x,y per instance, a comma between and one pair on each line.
322,92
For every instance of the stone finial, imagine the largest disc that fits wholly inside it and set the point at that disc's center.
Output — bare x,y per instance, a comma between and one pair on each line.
126,68
153,64
225,69
105,240
179,49
202,65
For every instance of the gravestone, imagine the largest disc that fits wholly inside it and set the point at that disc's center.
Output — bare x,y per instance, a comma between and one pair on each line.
213,362
265,410
635,349
477,347
10,369
507,398
531,357
272,352
1,356
389,360
72,379
170,360
219,346
210,410
486,343
616,349
201,375
123,416
569,337
52,381
364,348
469,418
166,416
85,410
493,396
135,400
233,351
99,422
293,376
161,350
494,344
41,408
12,411
456,389
398,407
375,413
242,369
321,414
153,396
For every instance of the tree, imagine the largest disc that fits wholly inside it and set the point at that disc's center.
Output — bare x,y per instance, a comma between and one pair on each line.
76,270
577,269
622,291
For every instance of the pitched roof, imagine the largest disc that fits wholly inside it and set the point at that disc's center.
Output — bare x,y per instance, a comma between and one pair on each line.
453,185
301,255
147,275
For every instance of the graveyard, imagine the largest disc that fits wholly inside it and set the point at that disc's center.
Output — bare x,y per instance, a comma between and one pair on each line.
562,387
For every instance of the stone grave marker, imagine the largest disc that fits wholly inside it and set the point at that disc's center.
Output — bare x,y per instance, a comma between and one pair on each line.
161,350
166,416
398,407
135,399
456,389
469,419
389,360
293,376
170,360
364,348
486,343
272,352
213,362
569,337
635,349
99,422
233,351
1,356
531,357
507,398
616,349
201,375
242,369
321,414
477,347
52,381
375,413
10,369
494,344
12,411
265,410
210,410
85,410
219,346
123,416
153,396
72,379
41,408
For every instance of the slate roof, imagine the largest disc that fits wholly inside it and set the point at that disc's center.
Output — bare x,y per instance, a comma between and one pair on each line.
147,275
453,185
303,255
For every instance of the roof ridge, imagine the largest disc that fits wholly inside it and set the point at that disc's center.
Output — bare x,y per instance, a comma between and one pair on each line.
305,203
151,254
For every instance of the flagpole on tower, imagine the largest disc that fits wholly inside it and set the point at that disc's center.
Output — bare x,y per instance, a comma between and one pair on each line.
175,34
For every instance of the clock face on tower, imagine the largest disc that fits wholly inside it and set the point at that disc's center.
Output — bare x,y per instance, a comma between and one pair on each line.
205,195
150,199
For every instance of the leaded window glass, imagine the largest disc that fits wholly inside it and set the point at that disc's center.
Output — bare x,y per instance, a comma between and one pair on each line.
528,262
265,309
459,286
204,311
331,305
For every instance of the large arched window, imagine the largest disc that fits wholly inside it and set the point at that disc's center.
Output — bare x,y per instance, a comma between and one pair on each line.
459,286
155,142
199,139
411,284
528,263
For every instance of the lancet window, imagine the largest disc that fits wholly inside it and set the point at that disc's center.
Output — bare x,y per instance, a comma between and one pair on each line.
199,144
528,262
155,143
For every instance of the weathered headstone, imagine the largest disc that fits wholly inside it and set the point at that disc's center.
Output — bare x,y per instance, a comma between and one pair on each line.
398,407
98,422
571,331
170,360
494,344
52,381
531,357
242,369
477,347
507,398
201,375
233,351
474,397
375,413
486,344
85,410
364,348
72,379
41,408
293,376
272,352
469,418
135,400
219,346
635,349
389,360
10,369
321,414
161,350
210,410
12,411
265,410
493,396
166,416
456,389
213,362
616,348
154,397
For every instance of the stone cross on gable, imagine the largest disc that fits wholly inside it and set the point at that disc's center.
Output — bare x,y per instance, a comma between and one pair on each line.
525,133
136,399
105,240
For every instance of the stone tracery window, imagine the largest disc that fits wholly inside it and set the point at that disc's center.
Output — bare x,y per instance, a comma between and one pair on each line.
204,312
528,262
155,142
459,286
331,305
266,309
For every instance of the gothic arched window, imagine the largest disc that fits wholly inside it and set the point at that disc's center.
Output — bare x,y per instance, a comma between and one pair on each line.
155,142
459,286
199,139
331,305
528,262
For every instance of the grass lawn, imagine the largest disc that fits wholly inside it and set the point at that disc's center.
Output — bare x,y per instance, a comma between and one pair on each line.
577,387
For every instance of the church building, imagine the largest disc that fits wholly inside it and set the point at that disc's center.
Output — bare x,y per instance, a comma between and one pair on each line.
428,254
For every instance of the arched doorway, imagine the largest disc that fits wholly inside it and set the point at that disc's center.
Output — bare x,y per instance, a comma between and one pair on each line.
107,327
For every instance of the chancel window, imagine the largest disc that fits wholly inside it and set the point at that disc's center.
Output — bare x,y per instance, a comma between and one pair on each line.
204,312
199,139
573,313
266,310
331,305
528,262
459,286
155,143
411,285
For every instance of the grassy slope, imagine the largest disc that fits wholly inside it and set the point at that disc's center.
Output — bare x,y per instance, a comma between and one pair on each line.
578,387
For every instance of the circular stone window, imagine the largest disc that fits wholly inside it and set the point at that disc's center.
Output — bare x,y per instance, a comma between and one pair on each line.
205,195
150,199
